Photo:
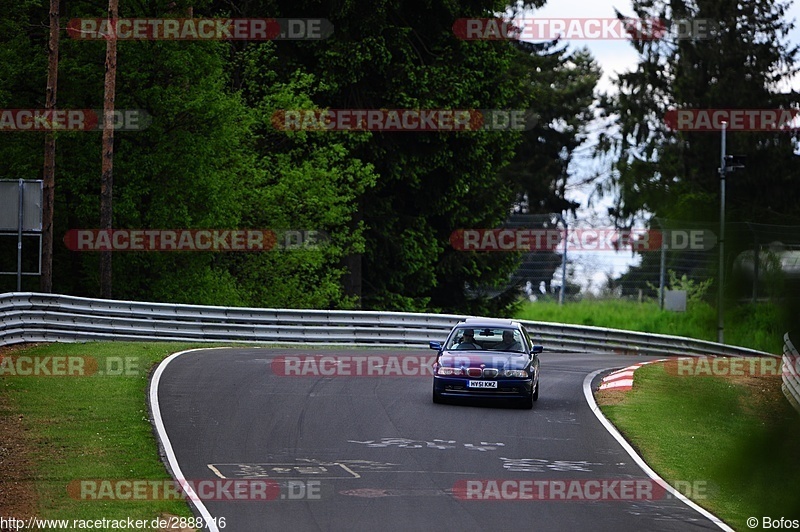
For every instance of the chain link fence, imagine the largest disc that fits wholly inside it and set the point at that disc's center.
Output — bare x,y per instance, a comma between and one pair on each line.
578,259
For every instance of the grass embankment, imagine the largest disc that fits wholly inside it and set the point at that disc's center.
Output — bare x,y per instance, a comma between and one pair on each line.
757,326
736,438
68,428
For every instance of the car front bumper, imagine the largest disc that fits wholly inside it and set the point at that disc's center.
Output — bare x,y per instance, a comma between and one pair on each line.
506,388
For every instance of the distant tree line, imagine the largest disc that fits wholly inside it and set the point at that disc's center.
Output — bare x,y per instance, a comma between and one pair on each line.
212,157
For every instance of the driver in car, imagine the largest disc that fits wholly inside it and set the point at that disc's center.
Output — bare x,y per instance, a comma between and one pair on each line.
468,340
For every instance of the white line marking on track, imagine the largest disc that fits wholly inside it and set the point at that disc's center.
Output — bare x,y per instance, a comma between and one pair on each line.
216,471
158,421
587,393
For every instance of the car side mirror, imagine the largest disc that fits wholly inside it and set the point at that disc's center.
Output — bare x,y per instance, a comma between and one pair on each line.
435,345
537,349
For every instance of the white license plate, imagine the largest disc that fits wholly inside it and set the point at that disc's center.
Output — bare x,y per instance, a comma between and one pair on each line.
482,384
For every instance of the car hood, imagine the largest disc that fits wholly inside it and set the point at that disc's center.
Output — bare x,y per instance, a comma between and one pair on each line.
497,360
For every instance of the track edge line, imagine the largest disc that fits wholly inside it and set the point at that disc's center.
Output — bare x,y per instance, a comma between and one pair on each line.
612,430
166,444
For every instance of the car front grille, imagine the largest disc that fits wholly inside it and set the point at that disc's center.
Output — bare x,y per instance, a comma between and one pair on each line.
484,391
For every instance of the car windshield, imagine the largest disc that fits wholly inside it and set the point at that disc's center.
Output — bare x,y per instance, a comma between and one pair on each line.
486,338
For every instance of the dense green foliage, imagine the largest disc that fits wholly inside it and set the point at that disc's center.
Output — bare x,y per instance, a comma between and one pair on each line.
212,158
742,60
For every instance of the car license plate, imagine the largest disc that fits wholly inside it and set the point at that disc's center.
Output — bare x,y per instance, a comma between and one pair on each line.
482,384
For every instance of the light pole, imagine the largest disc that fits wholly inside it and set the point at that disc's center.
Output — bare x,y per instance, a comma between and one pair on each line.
727,164
720,289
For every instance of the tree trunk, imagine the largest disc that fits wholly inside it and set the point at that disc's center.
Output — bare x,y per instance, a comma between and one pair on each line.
106,179
49,175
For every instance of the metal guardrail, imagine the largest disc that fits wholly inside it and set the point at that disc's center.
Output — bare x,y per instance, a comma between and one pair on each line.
34,317
791,379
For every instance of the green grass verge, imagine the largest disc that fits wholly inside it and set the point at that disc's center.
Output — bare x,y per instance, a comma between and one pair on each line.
90,427
757,326
738,439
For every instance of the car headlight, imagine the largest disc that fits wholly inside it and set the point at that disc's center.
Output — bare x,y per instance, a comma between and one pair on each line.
519,373
449,372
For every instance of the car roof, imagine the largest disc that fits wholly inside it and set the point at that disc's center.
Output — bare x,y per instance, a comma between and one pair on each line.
488,322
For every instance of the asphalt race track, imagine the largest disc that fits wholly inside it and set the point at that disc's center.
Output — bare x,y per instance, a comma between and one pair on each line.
348,452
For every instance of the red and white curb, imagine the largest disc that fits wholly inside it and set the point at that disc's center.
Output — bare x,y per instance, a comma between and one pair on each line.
622,379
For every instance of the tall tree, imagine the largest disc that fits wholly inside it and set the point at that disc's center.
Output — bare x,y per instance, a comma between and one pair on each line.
404,54
107,165
210,158
562,82
48,183
306,181
742,63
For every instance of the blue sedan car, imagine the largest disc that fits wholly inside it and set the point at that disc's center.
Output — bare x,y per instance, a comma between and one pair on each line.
487,358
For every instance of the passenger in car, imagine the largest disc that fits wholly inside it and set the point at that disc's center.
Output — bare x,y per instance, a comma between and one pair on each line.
508,343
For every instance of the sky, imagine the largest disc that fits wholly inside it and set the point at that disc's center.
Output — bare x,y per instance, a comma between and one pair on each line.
617,55
614,57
